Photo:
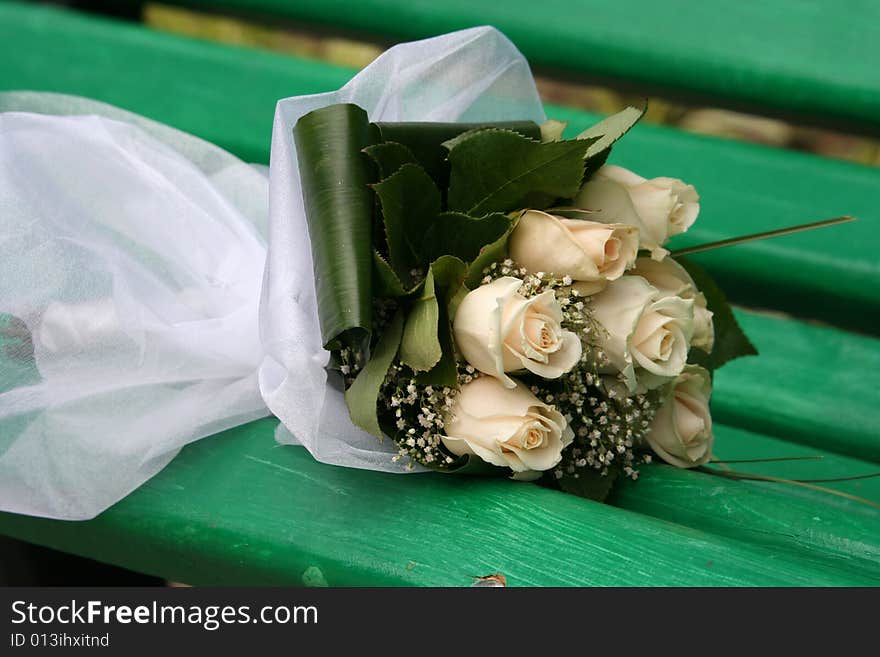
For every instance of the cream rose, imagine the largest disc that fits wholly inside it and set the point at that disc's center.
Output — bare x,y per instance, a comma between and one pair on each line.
647,335
681,433
508,427
498,330
660,207
590,252
671,279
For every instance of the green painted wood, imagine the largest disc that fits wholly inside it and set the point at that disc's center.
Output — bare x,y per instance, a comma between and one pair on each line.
227,95
810,384
238,509
785,518
814,57
223,94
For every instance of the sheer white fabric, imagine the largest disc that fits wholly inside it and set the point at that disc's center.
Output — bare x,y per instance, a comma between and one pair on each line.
138,308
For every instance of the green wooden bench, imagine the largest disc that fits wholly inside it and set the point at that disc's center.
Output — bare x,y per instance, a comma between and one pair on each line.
815,60
236,508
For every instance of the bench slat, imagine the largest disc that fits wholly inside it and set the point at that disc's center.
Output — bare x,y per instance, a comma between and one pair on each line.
227,95
785,518
810,58
810,384
236,509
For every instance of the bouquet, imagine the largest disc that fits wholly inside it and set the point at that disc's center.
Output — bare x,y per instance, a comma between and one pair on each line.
497,299
449,276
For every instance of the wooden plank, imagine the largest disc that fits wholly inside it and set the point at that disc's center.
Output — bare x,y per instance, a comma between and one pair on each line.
786,518
222,94
815,59
227,95
238,509
810,384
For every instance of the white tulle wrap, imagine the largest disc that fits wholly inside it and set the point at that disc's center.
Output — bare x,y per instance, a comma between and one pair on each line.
155,290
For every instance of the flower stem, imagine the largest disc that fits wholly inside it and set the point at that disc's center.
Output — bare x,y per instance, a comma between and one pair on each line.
762,236
771,460
730,474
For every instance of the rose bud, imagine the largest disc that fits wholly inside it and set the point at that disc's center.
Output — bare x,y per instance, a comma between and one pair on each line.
590,252
681,433
660,207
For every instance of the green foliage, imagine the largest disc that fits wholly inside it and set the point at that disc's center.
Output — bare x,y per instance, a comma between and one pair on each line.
610,129
339,208
605,133
389,156
362,395
490,253
730,340
420,347
425,141
497,170
461,235
387,284
449,274
410,201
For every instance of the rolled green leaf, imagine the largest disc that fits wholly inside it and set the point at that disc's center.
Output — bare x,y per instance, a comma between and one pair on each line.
335,177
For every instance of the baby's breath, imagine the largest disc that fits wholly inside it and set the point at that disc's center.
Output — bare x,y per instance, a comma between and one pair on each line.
417,415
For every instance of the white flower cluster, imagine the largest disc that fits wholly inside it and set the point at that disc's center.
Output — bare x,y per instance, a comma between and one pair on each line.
582,341
418,413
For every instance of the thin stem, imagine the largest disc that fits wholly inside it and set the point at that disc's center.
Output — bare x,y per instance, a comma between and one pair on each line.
814,457
729,474
762,236
853,478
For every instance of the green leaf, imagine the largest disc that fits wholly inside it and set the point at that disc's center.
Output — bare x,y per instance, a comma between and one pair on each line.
605,133
335,176
449,274
410,201
386,282
589,483
389,157
420,347
462,236
610,129
730,340
490,253
495,170
362,395
425,141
